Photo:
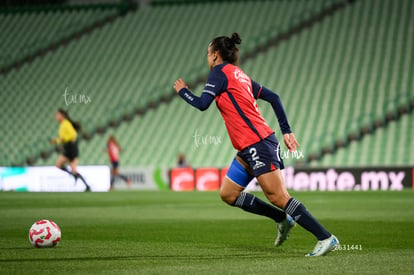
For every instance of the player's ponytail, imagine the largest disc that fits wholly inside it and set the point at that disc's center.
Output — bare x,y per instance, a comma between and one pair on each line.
226,46
75,124
235,38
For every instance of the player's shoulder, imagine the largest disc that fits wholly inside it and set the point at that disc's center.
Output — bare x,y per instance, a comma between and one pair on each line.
217,73
235,73
217,80
65,122
233,70
218,69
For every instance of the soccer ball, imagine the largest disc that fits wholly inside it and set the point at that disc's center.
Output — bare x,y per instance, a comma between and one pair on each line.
44,233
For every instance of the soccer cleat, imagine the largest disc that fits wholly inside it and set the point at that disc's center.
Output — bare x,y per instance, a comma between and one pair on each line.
283,229
324,247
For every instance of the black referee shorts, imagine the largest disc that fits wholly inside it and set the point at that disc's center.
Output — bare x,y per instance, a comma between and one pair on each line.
70,150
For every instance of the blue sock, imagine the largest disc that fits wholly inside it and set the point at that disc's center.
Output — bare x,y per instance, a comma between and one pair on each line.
253,204
302,216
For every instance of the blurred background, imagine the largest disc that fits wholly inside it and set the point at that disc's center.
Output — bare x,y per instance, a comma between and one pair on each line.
343,69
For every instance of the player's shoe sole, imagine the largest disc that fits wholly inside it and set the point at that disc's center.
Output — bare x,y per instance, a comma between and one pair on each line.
283,229
324,247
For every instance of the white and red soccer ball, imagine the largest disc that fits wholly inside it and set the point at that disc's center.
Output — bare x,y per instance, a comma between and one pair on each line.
44,233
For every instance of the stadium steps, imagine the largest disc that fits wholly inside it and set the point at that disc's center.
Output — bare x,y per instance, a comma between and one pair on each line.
390,145
30,34
366,125
389,90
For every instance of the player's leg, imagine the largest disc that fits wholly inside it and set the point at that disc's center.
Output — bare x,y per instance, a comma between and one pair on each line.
60,163
278,196
74,166
274,188
231,192
69,152
113,171
275,191
123,177
264,161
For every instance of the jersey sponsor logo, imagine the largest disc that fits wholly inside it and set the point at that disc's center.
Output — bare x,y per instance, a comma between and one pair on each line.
189,96
241,76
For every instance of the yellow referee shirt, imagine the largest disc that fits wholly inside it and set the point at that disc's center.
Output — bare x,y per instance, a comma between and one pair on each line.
66,132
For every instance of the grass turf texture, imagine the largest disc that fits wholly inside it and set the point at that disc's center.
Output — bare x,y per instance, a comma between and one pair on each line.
195,233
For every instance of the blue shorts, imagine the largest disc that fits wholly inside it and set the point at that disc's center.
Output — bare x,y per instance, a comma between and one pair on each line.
238,174
263,156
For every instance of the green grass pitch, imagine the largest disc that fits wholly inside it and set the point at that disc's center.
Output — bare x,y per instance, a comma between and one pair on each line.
195,233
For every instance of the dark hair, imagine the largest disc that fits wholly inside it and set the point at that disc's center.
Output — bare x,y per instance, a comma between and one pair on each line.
75,124
226,46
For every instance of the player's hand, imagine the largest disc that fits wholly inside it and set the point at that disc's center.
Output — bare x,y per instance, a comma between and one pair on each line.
290,142
179,84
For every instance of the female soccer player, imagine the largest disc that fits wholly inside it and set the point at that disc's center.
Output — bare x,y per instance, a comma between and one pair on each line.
114,149
68,137
235,94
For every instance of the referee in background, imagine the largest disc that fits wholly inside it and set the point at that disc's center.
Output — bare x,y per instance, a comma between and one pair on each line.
68,137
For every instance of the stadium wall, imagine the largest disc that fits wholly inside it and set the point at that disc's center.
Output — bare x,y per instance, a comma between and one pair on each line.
305,179
50,179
